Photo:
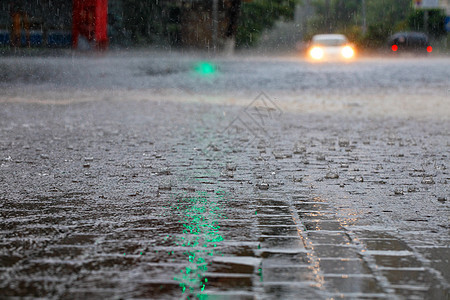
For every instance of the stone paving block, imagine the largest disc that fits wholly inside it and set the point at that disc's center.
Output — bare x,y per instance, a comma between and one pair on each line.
279,230
327,225
311,206
323,237
291,290
47,268
352,284
238,248
386,244
281,242
89,293
155,289
277,259
8,260
79,239
439,258
292,273
36,288
335,251
413,292
232,264
407,277
397,261
231,295
275,220
343,266
316,216
229,281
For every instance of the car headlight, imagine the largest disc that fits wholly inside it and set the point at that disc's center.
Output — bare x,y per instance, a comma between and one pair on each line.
347,52
316,53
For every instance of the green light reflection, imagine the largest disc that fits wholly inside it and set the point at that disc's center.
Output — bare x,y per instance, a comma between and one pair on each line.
201,233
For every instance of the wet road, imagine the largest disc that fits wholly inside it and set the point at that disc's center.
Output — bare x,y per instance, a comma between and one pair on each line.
151,175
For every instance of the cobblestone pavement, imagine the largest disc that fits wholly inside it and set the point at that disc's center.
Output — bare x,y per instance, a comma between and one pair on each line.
135,198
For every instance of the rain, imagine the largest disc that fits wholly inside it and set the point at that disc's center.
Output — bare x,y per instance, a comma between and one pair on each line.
218,149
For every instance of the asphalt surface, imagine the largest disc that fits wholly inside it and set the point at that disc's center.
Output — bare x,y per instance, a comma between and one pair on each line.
150,175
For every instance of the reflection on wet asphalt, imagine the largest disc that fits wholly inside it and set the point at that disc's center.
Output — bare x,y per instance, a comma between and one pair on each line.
135,197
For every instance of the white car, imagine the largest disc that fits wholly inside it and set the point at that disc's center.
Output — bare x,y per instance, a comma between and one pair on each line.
330,46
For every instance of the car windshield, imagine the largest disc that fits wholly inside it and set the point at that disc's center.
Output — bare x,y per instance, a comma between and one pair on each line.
330,42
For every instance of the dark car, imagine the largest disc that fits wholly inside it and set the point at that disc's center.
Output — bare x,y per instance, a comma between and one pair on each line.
410,42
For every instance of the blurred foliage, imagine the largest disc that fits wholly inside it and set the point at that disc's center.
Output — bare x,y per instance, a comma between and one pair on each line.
258,15
436,22
333,15
383,18
148,21
143,22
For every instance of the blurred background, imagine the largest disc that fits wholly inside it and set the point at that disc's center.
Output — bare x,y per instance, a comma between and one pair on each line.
281,25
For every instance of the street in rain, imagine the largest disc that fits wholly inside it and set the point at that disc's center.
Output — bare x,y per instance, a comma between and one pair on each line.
224,149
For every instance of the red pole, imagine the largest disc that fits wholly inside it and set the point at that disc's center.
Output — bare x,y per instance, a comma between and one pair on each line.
101,24
90,19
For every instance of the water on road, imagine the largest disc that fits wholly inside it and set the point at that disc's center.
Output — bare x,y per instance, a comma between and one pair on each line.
173,175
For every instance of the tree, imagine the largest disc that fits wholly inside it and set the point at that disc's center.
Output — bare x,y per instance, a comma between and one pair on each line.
334,15
436,22
383,17
257,15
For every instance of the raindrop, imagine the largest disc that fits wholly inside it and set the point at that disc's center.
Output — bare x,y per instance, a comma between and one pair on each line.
358,179
320,157
427,180
332,175
398,192
299,149
344,143
442,199
163,171
297,179
231,167
165,186
263,186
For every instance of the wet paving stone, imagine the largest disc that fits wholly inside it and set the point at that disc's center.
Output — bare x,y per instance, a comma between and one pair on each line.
329,250
397,261
335,238
276,259
281,242
274,220
386,244
352,284
292,290
96,205
323,225
229,281
277,230
343,266
288,274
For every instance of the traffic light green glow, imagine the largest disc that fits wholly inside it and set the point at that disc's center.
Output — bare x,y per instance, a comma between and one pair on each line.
201,233
205,69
